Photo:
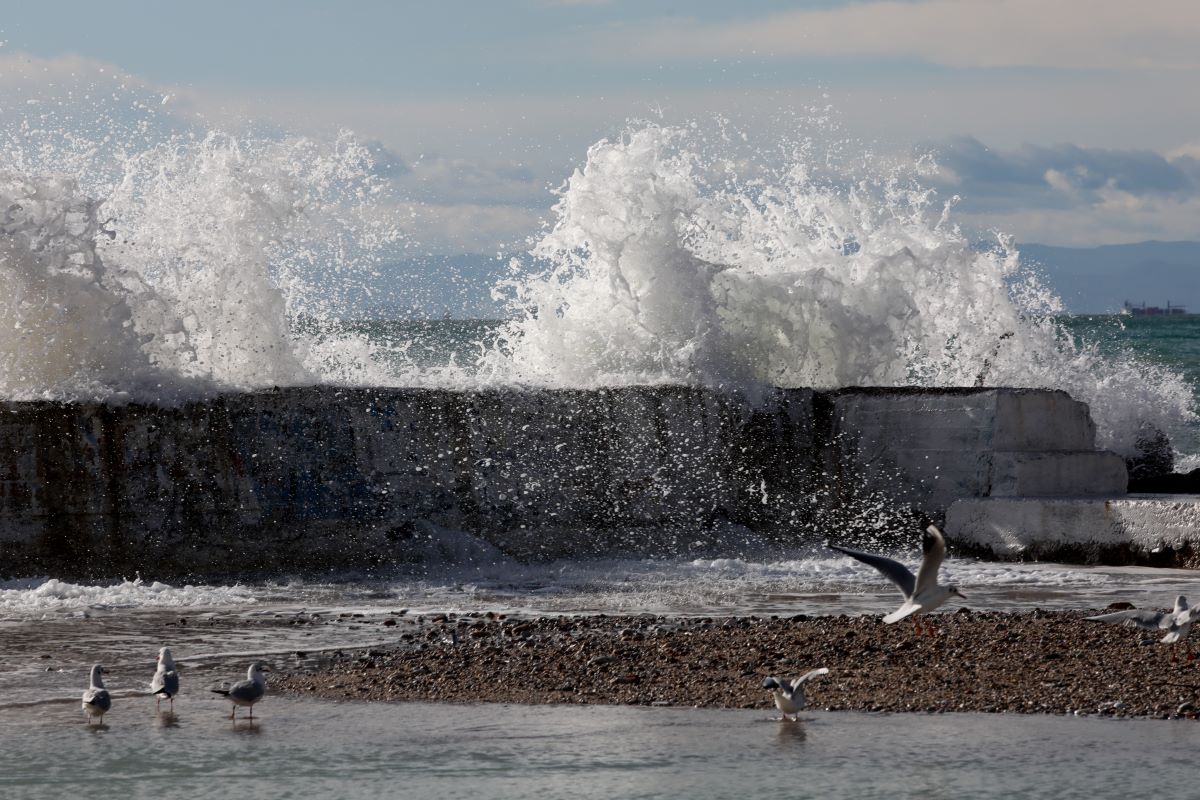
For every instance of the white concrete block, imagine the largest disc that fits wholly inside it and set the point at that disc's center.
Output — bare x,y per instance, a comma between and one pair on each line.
1154,529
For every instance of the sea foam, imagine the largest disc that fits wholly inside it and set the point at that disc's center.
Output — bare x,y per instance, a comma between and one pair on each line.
665,264
25,597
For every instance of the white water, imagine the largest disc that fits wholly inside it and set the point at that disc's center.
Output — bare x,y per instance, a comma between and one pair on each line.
37,597
810,582
185,270
666,264
146,265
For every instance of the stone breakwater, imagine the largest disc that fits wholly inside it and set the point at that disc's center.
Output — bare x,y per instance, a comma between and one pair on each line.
325,478
1039,662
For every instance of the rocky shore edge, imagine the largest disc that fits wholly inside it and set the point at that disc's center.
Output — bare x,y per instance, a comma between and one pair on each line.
1034,662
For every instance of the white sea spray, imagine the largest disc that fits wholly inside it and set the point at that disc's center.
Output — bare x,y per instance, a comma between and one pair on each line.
665,265
144,262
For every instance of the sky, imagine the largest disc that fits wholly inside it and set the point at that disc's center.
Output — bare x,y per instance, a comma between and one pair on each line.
1072,122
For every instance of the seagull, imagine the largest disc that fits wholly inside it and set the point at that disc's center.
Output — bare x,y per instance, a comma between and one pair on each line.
247,692
96,700
1177,622
922,593
166,679
789,695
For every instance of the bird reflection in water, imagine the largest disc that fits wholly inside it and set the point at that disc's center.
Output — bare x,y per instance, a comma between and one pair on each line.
792,732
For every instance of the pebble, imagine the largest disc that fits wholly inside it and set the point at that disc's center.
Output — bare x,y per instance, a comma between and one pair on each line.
1038,662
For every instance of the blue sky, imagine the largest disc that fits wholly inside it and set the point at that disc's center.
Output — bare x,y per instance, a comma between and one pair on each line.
1070,123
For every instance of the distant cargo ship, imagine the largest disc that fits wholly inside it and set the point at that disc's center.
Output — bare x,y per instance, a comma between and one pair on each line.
1130,310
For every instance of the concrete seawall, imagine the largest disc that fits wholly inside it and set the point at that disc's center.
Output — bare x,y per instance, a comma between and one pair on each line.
328,478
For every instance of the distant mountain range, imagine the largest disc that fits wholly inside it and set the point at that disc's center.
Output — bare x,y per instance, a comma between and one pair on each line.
1093,280
1090,280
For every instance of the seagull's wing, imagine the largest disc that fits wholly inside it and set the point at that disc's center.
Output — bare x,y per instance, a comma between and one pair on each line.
98,698
908,609
1151,620
170,683
158,683
246,690
935,551
1177,633
808,676
893,570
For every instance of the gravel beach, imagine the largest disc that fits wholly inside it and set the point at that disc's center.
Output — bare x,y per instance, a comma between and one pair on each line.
1036,662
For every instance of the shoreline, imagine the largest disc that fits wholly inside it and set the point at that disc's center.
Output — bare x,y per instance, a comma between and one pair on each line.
1043,662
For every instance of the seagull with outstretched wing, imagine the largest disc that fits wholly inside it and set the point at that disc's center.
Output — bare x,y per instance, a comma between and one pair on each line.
922,593
1177,622
789,694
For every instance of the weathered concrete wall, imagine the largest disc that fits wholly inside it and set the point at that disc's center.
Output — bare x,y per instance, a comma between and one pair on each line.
931,448
320,478
1159,530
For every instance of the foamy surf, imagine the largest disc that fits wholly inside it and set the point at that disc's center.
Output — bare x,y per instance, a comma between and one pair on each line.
52,596
804,582
667,264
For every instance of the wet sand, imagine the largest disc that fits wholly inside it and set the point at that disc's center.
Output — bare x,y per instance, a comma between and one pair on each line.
1036,662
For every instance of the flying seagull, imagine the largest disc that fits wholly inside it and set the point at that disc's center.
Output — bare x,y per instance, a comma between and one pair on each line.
922,593
166,679
247,692
96,700
789,695
1176,622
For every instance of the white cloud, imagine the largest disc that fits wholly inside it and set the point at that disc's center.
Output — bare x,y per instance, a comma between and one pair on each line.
22,71
1059,182
1067,34
1190,150
447,229
472,172
1118,219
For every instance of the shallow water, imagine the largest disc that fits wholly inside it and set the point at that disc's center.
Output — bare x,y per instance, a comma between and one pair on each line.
308,748
53,631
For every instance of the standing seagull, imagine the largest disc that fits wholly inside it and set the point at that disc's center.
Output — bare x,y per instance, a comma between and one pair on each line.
96,700
166,679
921,593
1177,622
247,692
789,695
